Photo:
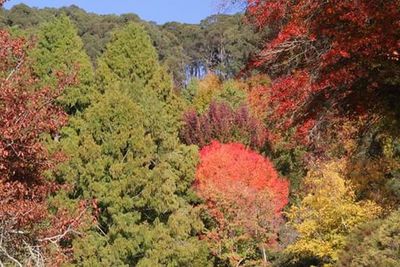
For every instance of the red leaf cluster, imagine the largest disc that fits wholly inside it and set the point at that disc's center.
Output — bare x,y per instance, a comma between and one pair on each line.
226,165
26,114
327,55
244,195
221,122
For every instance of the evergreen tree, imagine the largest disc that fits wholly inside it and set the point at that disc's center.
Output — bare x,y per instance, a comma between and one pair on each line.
130,57
59,49
125,155
375,243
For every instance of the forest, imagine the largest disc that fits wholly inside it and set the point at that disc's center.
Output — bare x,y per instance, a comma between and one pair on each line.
266,138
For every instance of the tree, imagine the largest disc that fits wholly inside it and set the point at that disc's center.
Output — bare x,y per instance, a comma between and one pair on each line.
201,92
141,68
206,90
233,93
375,243
229,43
59,48
3,14
95,30
134,61
337,58
326,214
225,124
244,196
27,114
220,44
170,52
126,156
22,16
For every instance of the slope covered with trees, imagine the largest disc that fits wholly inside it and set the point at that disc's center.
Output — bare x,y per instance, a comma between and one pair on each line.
268,138
220,43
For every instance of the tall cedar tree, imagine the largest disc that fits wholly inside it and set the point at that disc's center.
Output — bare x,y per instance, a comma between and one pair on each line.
125,154
59,48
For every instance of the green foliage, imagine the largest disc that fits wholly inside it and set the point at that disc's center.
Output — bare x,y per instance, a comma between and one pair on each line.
191,90
232,94
143,217
59,49
3,14
201,93
376,243
207,89
229,42
95,30
134,60
221,44
23,16
289,159
170,51
130,61
192,41
125,154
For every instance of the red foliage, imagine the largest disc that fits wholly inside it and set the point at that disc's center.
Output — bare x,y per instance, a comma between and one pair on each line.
327,55
243,194
221,122
224,165
26,114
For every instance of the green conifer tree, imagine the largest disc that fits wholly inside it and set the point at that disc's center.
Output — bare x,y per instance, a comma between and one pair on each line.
125,154
375,243
59,49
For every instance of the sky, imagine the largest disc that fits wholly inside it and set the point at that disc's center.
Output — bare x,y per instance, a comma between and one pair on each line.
160,11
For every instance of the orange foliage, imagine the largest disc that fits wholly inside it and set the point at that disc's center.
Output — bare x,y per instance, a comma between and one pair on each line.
245,197
224,165
258,88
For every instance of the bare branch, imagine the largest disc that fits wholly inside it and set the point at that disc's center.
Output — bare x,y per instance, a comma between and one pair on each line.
15,69
2,249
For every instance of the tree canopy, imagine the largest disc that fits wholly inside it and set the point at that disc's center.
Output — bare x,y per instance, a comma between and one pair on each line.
264,138
133,164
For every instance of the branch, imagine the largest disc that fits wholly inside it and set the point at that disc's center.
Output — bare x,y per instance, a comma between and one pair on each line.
15,69
35,255
55,239
10,257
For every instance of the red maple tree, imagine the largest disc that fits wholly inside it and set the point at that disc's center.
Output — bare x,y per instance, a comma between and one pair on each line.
27,113
243,194
327,58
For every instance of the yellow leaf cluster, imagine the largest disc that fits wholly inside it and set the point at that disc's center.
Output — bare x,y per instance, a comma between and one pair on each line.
207,89
327,213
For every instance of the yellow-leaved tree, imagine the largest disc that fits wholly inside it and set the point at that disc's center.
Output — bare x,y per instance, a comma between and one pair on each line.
327,213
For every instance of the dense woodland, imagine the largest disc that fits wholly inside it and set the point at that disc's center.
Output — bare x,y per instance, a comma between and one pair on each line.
266,138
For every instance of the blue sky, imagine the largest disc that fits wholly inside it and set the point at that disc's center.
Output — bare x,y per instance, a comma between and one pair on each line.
160,11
